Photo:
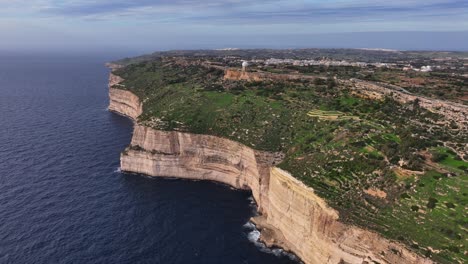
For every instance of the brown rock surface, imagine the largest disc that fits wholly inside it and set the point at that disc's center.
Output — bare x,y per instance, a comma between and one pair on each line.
237,75
123,102
300,221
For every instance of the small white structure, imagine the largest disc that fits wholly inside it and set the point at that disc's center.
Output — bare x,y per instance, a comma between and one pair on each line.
426,68
245,64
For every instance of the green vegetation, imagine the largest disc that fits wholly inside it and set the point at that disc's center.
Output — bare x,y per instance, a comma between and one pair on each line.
339,144
431,214
449,159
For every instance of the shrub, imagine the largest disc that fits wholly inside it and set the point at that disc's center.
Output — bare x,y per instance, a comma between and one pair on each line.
405,196
449,151
431,204
319,81
438,157
450,205
454,249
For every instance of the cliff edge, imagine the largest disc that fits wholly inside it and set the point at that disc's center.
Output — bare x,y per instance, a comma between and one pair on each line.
292,215
121,101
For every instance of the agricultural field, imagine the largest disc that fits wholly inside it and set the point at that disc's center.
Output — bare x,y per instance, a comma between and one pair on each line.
330,115
383,165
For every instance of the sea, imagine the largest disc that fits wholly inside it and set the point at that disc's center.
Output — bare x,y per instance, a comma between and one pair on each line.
63,198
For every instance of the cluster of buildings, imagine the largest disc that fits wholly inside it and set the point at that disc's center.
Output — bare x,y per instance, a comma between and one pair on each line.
422,69
323,62
416,65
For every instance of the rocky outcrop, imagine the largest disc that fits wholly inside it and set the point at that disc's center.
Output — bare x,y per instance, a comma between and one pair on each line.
292,216
115,80
237,75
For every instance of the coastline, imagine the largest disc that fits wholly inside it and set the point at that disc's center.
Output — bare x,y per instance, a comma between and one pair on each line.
291,217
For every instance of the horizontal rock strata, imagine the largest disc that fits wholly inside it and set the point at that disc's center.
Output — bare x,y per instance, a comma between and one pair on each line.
123,102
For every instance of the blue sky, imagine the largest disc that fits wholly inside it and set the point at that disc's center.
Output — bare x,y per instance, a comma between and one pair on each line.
145,25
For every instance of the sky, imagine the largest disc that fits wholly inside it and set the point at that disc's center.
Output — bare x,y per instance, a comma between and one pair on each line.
150,25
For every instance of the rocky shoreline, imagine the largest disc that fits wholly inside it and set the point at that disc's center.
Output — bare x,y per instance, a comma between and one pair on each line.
291,216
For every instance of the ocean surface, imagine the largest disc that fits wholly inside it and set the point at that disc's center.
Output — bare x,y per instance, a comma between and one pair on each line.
63,198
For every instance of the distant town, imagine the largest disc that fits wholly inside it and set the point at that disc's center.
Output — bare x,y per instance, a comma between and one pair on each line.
439,64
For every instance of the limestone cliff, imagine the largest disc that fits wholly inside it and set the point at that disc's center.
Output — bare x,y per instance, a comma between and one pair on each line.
292,215
122,101
300,221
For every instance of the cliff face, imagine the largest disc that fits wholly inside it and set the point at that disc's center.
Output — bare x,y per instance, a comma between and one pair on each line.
300,221
292,216
122,101
195,157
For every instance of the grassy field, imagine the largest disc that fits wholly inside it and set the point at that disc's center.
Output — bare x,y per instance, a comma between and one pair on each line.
339,144
449,159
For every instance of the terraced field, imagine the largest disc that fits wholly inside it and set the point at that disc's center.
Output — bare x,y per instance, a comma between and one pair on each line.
331,115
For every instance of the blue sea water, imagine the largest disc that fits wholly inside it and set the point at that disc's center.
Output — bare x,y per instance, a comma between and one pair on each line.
63,199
